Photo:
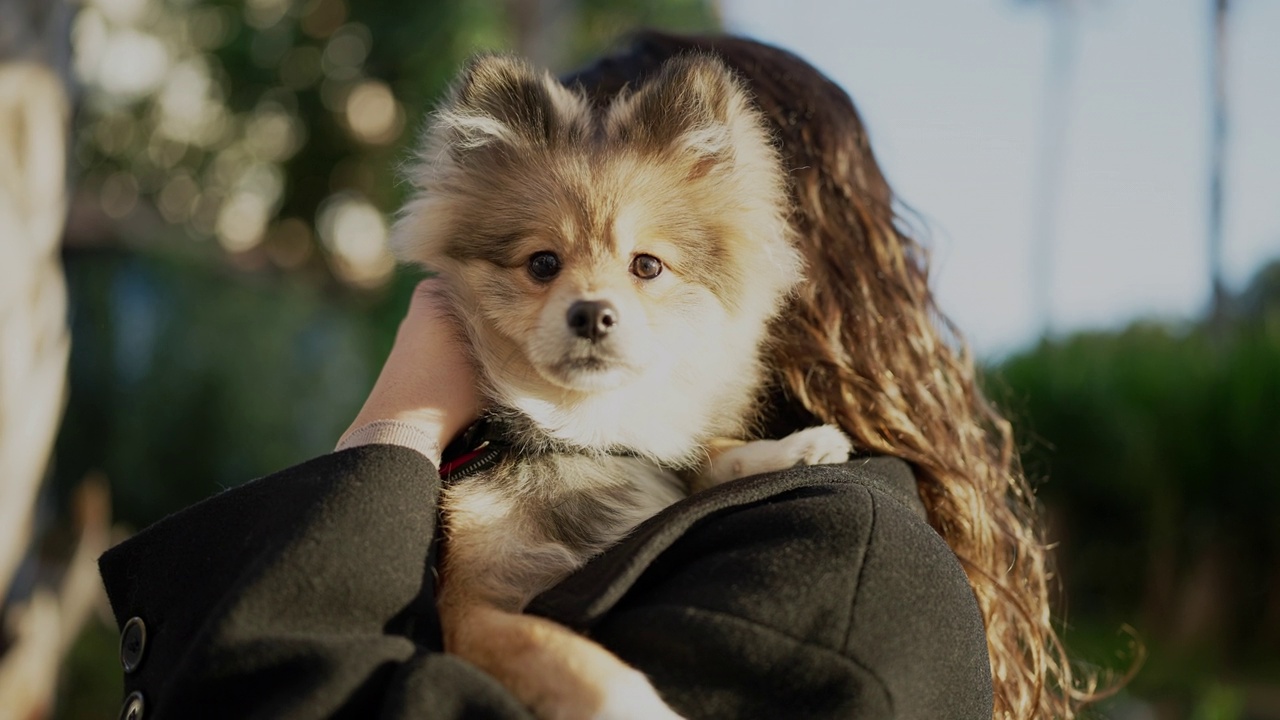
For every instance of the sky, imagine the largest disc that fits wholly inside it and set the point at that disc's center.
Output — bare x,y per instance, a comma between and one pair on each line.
953,94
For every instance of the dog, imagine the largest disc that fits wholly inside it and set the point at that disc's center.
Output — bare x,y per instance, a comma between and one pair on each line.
614,269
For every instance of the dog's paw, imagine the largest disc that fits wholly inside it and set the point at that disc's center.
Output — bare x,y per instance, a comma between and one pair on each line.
821,445
632,697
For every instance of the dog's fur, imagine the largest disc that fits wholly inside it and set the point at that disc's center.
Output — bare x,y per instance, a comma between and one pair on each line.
609,428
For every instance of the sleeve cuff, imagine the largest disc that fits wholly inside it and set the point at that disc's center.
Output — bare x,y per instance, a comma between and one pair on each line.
392,432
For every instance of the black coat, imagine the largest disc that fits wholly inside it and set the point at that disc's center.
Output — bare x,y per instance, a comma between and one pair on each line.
812,593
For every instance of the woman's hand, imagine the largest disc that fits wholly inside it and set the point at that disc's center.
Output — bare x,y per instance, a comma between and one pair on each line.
427,382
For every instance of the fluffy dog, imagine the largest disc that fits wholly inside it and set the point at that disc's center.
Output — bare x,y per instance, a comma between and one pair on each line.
614,269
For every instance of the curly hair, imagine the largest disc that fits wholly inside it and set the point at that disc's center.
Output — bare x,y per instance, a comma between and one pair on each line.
864,346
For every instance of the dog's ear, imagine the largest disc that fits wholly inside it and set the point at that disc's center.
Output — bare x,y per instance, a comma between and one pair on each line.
693,106
501,101
500,110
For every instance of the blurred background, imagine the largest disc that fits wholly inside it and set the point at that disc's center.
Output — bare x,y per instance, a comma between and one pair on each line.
1099,182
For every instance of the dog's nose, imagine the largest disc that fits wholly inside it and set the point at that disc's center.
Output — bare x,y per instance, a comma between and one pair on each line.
592,319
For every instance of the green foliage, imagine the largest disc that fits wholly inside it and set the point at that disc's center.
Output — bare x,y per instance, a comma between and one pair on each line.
1158,455
91,679
1220,702
186,379
272,111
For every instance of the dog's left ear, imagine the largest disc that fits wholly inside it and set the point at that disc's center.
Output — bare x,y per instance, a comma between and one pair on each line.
693,107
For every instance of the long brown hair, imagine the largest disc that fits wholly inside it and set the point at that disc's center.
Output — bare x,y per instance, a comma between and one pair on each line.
864,346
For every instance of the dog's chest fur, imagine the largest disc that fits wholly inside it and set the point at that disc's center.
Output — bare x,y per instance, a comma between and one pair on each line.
538,514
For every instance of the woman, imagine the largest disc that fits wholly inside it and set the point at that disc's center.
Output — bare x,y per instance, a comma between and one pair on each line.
814,592
865,347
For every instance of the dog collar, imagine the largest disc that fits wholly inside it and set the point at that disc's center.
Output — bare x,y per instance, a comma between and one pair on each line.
478,448
484,443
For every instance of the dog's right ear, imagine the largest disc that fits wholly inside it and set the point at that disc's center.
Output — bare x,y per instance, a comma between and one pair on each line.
501,102
499,110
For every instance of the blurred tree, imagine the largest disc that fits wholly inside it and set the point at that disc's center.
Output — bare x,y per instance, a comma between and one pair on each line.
39,615
273,126
1055,121
1219,49
33,337
1259,303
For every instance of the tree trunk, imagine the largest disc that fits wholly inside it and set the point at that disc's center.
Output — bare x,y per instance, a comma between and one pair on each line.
1217,162
41,621
33,337
1058,91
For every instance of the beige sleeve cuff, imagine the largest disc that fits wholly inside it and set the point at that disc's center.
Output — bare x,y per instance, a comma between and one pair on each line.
392,432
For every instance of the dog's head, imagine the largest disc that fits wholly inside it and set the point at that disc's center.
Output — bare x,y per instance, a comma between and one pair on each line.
605,257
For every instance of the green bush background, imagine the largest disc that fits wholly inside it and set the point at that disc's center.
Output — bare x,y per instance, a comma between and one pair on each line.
1156,448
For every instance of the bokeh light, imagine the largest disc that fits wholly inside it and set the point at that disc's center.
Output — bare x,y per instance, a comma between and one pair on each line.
132,63
372,113
169,143
356,233
263,14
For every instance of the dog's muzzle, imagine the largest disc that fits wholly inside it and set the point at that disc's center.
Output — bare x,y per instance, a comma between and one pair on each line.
592,319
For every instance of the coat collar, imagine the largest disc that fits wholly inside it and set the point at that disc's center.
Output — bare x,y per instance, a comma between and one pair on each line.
585,597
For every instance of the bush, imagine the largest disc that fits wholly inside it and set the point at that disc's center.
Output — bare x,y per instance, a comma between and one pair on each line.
1156,451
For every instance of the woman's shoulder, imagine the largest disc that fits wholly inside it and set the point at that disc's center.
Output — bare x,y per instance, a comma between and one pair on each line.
822,519
834,561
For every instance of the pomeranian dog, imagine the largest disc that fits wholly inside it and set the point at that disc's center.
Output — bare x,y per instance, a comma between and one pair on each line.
614,270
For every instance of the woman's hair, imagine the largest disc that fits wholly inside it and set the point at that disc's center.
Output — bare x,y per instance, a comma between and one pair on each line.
863,345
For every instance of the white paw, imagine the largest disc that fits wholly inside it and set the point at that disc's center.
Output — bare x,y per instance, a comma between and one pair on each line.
632,697
812,446
820,445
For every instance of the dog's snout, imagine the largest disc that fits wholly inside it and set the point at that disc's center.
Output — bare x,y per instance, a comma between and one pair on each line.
592,319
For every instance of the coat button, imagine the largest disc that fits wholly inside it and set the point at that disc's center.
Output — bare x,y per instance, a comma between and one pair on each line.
133,643
132,708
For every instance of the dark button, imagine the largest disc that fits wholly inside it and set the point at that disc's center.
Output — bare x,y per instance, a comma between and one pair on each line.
133,705
133,643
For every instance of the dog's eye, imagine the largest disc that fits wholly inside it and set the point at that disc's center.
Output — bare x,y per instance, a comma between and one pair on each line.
544,266
646,267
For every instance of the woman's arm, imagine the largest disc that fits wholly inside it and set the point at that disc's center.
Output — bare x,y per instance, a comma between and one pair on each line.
305,594
426,393
310,593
